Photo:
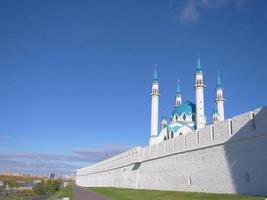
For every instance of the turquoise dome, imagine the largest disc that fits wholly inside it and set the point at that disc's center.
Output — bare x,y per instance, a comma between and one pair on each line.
187,107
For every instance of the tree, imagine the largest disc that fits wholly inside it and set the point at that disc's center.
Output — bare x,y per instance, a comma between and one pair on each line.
39,188
47,187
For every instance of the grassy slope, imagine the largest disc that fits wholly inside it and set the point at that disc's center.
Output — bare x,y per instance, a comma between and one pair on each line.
131,194
21,197
65,192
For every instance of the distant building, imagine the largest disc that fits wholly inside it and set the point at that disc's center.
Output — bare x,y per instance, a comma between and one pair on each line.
36,181
51,175
68,177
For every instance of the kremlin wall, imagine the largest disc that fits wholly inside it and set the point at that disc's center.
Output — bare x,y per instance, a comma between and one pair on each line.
229,156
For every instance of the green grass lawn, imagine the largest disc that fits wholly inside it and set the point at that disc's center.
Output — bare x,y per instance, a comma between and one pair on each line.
19,197
65,192
131,194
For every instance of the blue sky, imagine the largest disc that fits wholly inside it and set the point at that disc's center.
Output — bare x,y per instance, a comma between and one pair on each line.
75,75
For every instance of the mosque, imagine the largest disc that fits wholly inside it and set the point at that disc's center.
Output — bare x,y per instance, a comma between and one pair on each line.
186,116
189,154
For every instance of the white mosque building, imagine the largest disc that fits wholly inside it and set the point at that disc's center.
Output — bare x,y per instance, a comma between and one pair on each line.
186,116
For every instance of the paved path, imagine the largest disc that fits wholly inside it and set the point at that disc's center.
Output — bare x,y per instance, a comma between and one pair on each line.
85,194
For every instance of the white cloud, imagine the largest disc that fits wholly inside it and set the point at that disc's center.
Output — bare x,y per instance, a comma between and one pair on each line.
190,13
101,153
43,163
39,163
214,4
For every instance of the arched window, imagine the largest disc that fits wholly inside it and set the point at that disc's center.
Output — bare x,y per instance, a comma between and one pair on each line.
189,181
247,179
180,133
168,136
172,134
165,138
176,117
184,117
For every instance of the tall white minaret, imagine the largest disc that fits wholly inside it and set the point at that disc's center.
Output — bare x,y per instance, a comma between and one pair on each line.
199,87
178,97
219,98
154,107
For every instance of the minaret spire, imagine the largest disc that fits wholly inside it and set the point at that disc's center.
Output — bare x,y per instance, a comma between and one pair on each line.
219,98
154,106
178,89
219,82
155,73
198,68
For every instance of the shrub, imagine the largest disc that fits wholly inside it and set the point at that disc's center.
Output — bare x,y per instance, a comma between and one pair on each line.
47,187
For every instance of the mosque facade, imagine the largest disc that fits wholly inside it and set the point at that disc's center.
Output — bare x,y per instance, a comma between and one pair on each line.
186,116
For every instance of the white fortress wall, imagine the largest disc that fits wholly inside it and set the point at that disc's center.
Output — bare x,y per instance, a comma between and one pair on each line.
228,157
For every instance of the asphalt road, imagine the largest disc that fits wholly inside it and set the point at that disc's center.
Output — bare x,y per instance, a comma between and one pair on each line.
85,194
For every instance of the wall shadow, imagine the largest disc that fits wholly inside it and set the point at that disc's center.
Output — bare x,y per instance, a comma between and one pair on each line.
246,154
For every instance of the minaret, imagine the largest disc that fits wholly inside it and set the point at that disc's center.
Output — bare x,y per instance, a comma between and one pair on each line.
163,122
215,115
154,106
199,87
178,98
219,98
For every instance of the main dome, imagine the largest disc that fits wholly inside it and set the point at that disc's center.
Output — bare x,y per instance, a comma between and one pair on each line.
187,107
